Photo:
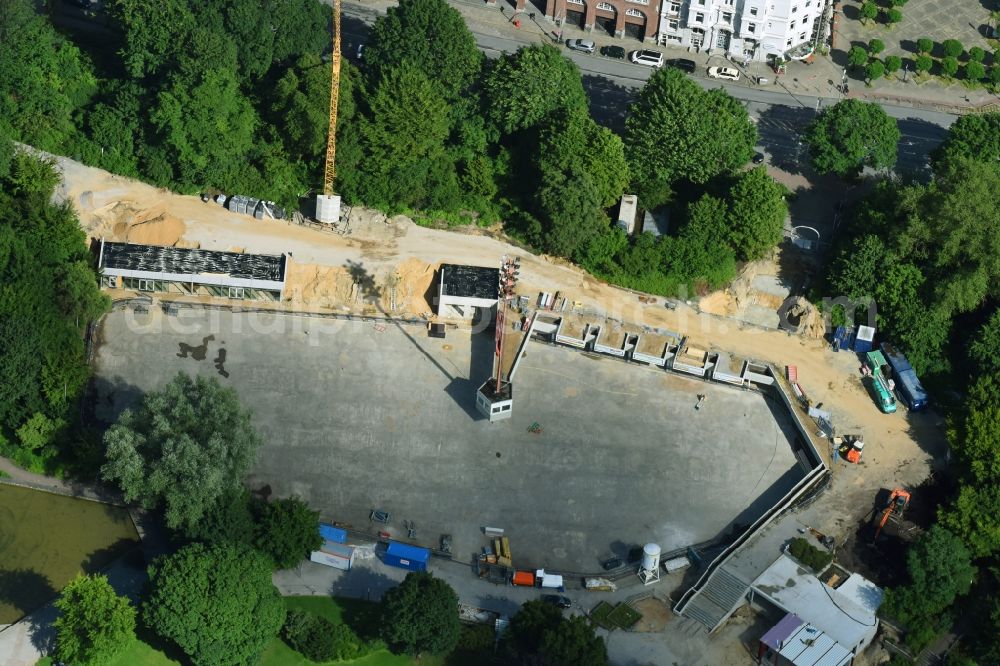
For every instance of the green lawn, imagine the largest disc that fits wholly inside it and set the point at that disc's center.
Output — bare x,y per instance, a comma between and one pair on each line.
360,614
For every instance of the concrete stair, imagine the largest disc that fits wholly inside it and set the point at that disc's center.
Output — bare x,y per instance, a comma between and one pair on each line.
712,603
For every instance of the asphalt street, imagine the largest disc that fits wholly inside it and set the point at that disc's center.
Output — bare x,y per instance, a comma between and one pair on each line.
781,114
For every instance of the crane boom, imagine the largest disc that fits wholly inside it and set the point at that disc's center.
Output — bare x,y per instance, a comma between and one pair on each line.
331,141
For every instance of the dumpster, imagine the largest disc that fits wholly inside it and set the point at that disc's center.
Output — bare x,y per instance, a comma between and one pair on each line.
406,557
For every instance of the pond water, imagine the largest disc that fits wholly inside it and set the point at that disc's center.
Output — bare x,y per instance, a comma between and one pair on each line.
46,540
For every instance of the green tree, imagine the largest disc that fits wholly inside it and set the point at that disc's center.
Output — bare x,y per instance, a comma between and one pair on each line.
217,603
975,516
94,624
700,253
869,10
45,79
184,448
925,45
230,519
851,135
206,127
893,64
995,75
952,48
984,350
523,88
288,531
437,43
940,570
539,633
756,214
155,32
319,639
420,615
893,16
874,70
305,123
949,66
677,130
857,56
977,54
406,164
923,63
974,71
876,46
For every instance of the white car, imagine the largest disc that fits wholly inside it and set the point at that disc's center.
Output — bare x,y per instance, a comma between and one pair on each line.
647,57
584,45
727,73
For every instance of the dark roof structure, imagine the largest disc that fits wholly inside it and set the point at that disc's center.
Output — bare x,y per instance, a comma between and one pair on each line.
470,281
176,260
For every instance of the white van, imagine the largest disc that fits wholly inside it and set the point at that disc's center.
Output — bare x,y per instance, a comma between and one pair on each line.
647,57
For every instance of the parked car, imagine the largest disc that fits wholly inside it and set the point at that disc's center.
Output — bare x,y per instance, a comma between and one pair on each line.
584,45
758,158
557,600
647,57
727,73
612,563
682,64
616,52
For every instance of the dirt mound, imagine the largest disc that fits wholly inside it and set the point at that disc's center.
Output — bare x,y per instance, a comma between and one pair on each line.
415,279
123,221
316,285
718,303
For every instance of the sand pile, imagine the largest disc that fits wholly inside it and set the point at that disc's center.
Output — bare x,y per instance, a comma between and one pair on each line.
718,303
122,221
317,286
414,283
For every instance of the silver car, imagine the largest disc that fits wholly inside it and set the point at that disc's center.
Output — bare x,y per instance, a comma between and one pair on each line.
584,45
727,73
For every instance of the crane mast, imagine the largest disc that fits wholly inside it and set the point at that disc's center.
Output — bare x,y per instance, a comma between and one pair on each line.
328,203
331,141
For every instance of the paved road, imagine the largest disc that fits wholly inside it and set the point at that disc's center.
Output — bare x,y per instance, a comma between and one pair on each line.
781,114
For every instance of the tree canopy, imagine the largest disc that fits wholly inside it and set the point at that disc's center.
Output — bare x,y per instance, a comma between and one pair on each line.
287,531
217,603
49,295
539,633
851,135
94,623
973,136
757,212
522,89
676,130
420,615
184,448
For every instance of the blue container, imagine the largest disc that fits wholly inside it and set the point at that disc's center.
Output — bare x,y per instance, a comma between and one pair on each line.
911,391
331,533
407,557
896,360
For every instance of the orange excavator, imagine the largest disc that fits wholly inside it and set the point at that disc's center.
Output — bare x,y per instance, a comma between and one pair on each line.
899,499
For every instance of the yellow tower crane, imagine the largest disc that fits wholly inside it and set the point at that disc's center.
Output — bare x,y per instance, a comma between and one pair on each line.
328,203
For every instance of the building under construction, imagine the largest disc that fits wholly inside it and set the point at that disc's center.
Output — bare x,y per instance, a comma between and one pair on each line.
181,271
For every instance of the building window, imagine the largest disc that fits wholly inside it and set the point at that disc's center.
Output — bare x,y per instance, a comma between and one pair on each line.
791,25
699,18
727,17
751,28
672,24
795,9
802,37
674,7
701,2
575,2
640,2
605,7
753,11
634,12
788,43
237,292
145,285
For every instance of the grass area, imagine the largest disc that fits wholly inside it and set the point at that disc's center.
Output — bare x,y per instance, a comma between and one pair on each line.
601,615
624,616
139,654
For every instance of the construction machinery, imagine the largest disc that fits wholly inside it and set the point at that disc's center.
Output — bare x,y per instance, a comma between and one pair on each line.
850,447
893,511
328,203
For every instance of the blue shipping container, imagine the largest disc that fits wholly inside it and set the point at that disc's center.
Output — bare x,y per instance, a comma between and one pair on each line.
331,533
911,391
897,361
406,557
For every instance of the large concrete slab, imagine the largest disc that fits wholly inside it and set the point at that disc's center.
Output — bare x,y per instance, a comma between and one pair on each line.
355,418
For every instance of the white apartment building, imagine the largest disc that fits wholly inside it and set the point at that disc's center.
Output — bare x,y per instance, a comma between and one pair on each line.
751,29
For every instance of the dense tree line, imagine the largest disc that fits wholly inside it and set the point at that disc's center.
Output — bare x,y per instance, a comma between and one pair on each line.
927,254
48,295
